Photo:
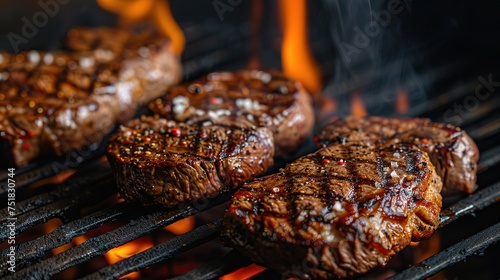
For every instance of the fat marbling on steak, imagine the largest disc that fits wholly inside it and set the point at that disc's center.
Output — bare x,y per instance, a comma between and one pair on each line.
163,162
451,150
252,97
337,212
60,101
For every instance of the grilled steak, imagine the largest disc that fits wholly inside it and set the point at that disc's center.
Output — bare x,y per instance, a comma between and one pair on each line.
55,102
164,162
451,150
336,213
264,99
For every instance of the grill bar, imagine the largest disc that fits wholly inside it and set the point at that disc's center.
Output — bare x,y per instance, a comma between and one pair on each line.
489,159
59,208
204,51
474,202
478,200
35,249
137,227
482,111
30,166
73,186
436,104
216,268
452,255
489,129
41,171
160,252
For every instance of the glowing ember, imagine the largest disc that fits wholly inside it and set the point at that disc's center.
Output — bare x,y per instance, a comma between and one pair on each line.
357,105
49,227
181,226
298,62
402,102
57,179
427,248
326,106
127,250
243,273
158,11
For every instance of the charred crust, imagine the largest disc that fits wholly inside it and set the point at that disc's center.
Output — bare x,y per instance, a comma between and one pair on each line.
254,97
305,210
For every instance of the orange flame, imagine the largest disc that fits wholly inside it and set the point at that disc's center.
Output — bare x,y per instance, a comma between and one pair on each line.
131,11
326,106
49,227
127,250
402,101
56,179
298,62
243,273
256,13
181,226
357,105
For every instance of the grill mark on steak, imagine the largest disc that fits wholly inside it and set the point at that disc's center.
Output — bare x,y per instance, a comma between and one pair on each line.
250,97
176,165
57,102
380,168
328,214
453,153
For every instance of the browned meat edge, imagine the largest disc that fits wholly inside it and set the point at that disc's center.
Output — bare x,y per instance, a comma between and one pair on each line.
336,213
52,103
167,163
452,151
252,97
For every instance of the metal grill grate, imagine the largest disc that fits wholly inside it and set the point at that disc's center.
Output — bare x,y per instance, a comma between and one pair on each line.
65,198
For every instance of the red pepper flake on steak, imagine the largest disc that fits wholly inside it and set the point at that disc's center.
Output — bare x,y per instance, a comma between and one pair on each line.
250,97
451,150
181,167
342,220
61,101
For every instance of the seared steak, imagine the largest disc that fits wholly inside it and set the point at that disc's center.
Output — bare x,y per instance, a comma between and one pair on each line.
55,102
264,99
451,150
336,213
164,162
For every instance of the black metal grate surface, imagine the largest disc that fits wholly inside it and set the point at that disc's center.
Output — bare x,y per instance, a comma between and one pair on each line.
65,199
